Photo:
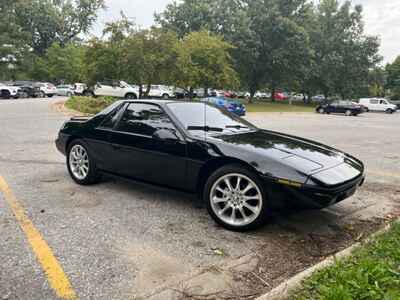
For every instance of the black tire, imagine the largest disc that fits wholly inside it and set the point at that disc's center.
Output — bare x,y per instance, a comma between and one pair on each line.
88,93
5,94
321,110
93,175
50,95
41,94
165,96
348,113
236,169
130,96
389,111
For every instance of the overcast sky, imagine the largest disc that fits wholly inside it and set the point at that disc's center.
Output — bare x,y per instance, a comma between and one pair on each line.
382,18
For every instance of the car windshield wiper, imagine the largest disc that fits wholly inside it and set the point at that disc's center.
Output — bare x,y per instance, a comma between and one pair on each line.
236,126
205,128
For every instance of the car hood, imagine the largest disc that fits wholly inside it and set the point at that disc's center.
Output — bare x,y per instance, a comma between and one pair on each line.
308,157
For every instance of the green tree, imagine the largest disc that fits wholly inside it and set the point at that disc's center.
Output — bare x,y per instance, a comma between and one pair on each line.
343,53
268,38
393,78
61,21
376,82
13,47
65,63
204,61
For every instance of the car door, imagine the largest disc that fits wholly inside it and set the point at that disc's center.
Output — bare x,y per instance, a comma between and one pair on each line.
373,104
103,89
137,153
383,105
332,107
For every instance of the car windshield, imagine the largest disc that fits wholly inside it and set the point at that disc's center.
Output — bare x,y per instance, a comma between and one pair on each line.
201,118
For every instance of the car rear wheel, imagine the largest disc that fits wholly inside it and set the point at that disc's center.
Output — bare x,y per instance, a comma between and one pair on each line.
348,113
321,110
80,165
41,94
5,94
165,96
235,198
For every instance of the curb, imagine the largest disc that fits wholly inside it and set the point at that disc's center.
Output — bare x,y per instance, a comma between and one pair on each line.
283,290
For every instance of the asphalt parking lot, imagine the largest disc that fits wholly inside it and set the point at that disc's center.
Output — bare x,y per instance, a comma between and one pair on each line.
125,240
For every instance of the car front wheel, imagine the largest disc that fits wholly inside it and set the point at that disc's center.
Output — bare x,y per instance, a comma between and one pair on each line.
348,113
321,110
236,199
389,111
80,165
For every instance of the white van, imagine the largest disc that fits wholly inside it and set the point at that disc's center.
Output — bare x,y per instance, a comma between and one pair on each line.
378,104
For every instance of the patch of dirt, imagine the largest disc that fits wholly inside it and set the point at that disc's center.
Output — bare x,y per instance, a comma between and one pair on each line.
154,268
60,107
291,251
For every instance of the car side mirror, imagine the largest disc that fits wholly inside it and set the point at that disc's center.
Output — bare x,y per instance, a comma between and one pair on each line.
165,135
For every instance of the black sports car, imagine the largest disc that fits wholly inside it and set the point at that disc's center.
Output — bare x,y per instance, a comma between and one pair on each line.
242,172
340,107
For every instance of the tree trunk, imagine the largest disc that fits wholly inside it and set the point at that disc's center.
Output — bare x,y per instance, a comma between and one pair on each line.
273,90
191,93
253,91
140,91
147,91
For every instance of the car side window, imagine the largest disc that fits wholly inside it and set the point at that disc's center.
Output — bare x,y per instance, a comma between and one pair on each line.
374,101
144,119
110,121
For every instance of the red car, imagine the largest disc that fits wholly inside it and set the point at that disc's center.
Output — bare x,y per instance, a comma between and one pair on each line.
280,96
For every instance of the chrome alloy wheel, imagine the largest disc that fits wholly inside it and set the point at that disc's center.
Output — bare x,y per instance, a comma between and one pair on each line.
236,199
79,162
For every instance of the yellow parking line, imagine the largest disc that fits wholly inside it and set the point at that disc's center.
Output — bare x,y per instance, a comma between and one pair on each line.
55,274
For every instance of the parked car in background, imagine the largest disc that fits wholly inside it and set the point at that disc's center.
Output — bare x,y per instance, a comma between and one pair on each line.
8,91
262,95
80,88
181,93
65,90
243,94
46,89
318,98
280,96
29,91
298,97
119,89
340,107
230,105
244,174
396,102
378,104
161,91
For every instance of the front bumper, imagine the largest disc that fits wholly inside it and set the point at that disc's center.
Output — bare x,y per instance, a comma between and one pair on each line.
310,196
61,143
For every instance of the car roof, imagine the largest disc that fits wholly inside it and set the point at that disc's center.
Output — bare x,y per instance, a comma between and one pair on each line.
157,101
